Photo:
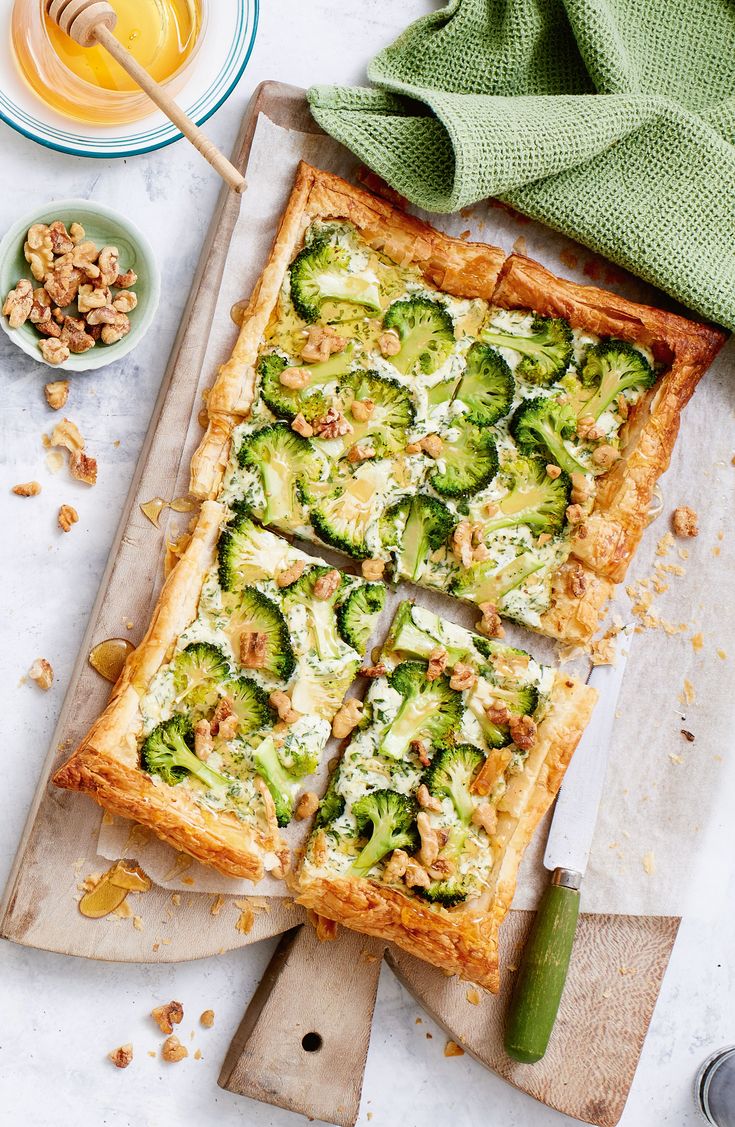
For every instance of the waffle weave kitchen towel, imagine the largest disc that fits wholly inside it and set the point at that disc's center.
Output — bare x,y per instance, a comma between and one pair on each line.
610,120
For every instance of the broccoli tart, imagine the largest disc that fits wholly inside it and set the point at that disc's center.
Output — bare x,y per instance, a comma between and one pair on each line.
225,709
420,834
483,427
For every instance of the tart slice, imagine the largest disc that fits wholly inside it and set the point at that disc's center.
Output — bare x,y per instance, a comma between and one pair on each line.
420,834
224,710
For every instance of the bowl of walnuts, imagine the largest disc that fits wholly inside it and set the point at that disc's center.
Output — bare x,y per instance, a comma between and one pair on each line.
79,285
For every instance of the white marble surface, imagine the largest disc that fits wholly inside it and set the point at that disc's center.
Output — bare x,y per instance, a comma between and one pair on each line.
60,1016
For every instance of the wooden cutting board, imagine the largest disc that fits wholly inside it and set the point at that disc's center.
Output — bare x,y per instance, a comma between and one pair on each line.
309,1057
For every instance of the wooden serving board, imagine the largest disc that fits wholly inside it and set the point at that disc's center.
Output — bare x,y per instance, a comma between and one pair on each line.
310,1058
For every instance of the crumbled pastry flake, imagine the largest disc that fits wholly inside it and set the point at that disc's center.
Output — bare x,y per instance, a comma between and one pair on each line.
684,521
473,996
68,516
83,467
452,1049
42,673
27,489
173,1050
122,1056
167,1016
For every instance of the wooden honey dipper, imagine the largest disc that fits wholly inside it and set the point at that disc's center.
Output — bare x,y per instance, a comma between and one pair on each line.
91,22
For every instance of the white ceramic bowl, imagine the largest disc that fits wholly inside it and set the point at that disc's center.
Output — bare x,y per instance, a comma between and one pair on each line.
105,227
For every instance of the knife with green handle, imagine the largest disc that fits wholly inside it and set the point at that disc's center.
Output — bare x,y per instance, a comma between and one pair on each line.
542,973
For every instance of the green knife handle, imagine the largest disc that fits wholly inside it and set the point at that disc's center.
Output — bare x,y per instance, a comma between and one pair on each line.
543,970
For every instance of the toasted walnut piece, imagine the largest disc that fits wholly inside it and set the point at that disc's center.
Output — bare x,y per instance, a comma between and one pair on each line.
307,805
497,713
523,731
360,452
253,649
319,847
122,1056
228,728
347,718
92,297
373,671
76,233
432,445
62,283
332,425
42,673
462,543
418,747
282,703
587,428
327,584
173,1050
396,866
605,456
290,574
416,875
51,327
82,467
372,569
203,747
61,242
207,1019
38,251
362,409
429,840
300,425
124,281
576,581
437,663
66,433
485,816
102,315
58,316
27,489
685,521
120,328
84,258
166,1017
57,393
463,677
389,343
54,351
322,341
18,304
623,407
74,336
413,448
41,309
108,263
68,516
125,301
553,471
427,800
295,378
574,514
490,624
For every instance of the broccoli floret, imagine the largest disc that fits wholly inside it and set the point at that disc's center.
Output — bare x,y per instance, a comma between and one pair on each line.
197,671
429,709
342,515
356,615
409,639
470,463
321,618
486,583
169,752
427,524
426,331
332,804
321,693
451,773
250,704
533,499
388,818
612,367
252,612
520,700
445,893
545,351
247,553
299,753
282,785
288,402
281,457
392,414
320,272
487,386
541,427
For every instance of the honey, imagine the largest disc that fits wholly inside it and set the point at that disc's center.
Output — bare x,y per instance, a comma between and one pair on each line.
108,657
86,83
112,889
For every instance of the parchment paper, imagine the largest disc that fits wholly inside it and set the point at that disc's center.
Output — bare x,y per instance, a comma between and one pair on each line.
666,814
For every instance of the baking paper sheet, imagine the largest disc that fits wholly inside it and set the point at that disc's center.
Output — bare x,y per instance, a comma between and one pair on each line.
668,801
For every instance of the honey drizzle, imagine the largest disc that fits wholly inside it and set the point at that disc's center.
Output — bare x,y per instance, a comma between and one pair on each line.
152,509
112,888
108,658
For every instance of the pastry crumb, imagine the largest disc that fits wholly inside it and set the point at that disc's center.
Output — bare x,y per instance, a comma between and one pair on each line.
649,863
198,1054
246,919
452,1049
121,1056
685,522
138,923
473,996
676,759
688,694
697,641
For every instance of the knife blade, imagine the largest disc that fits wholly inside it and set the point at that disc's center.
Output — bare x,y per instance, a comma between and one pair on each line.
543,968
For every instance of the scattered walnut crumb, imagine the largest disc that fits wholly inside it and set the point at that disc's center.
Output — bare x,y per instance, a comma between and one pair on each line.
27,489
300,425
429,840
290,574
327,584
490,624
452,1049
307,805
57,393
166,1017
281,701
576,580
684,521
122,1056
437,663
432,445
207,1019
473,996
42,673
68,516
347,718
372,570
173,1050
523,731
463,677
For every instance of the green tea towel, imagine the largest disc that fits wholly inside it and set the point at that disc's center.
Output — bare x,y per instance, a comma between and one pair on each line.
610,120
